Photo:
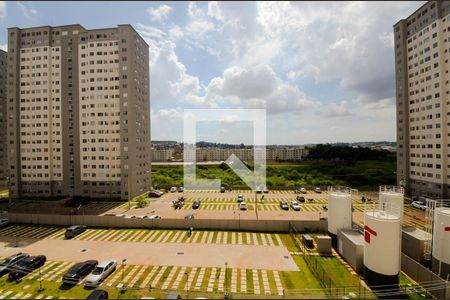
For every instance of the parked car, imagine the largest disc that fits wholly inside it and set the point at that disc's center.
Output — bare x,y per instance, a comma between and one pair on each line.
98,294
222,189
75,230
154,217
189,216
240,198
196,204
180,189
258,190
100,273
80,270
26,266
243,206
155,194
300,199
4,222
173,189
419,204
7,263
284,205
295,206
318,190
303,190
265,189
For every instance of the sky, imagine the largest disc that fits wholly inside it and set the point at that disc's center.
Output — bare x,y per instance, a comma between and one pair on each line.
324,71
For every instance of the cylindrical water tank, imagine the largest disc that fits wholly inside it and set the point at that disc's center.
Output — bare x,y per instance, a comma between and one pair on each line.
339,211
441,242
382,235
392,194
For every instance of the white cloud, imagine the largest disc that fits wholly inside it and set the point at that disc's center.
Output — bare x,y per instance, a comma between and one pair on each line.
2,9
199,28
335,110
161,13
214,10
4,47
27,11
194,11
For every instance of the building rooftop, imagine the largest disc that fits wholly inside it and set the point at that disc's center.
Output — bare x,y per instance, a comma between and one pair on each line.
417,233
353,235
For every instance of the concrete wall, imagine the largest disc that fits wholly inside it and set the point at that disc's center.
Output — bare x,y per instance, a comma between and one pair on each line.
118,222
352,253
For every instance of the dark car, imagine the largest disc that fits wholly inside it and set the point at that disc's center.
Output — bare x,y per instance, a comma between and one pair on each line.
155,194
222,189
300,199
79,271
10,261
98,294
284,205
196,204
75,230
26,266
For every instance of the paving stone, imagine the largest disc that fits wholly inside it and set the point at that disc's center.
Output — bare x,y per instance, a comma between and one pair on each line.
204,236
248,237
210,238
191,277
212,279
150,237
270,240
40,296
26,287
225,237
243,280
118,274
256,282
166,238
138,275
233,280
276,275
265,282
221,280
240,238
175,237
181,237
148,278
255,239
17,296
179,278
277,237
158,276
233,238
169,278
6,294
200,277
27,296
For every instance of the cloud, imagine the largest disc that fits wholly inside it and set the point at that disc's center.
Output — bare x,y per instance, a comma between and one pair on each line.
335,110
194,11
256,87
2,9
27,11
4,47
161,13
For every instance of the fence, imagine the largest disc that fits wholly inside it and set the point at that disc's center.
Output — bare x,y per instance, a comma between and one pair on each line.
420,274
210,224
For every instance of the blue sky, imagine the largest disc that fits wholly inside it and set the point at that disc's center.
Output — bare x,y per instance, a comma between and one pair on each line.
323,71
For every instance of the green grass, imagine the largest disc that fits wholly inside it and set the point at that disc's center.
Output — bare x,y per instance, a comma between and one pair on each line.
366,174
404,281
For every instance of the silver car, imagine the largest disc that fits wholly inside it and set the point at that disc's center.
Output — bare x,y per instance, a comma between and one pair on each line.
100,273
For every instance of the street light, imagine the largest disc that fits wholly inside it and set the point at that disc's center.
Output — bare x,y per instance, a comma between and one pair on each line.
187,284
123,270
40,282
226,282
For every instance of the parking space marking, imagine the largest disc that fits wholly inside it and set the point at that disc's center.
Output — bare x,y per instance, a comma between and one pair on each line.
175,237
119,273
233,238
280,289
169,278
128,276
181,237
192,277
179,278
248,238
111,236
256,282
138,236
149,237
148,277
265,279
55,271
218,237
123,238
166,238
240,238
60,272
17,296
212,280
224,238
158,276
263,239
6,294
138,275
269,239
233,280
243,280
44,268
221,280
132,237
204,236
255,239
200,277
118,237
27,296
277,236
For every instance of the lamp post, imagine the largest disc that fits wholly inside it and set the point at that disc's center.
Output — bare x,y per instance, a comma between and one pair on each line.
226,281
123,270
187,284
40,281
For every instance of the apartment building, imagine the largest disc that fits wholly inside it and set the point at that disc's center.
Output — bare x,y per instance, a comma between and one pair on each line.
277,154
161,155
3,151
422,53
78,112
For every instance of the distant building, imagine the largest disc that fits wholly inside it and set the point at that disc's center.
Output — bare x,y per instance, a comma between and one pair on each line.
423,109
162,155
3,103
78,112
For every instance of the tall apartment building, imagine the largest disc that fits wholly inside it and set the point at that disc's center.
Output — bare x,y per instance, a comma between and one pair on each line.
422,53
3,151
78,112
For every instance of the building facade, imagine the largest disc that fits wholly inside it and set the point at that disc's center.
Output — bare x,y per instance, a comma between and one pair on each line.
422,56
161,155
78,112
3,144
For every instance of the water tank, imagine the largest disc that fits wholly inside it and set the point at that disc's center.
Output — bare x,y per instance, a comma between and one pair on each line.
339,211
392,194
382,245
441,242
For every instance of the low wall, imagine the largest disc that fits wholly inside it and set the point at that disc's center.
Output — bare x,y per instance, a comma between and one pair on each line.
210,224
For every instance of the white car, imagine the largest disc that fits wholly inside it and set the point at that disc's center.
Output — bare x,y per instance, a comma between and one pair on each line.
258,190
419,205
100,273
154,217
173,189
317,190
4,222
243,206
265,189
180,189
303,190
295,206
240,198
